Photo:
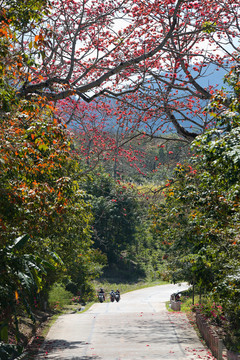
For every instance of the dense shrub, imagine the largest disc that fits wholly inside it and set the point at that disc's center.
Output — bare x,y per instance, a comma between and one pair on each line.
58,296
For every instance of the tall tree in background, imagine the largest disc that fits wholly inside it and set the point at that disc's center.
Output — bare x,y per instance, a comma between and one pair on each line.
121,228
116,214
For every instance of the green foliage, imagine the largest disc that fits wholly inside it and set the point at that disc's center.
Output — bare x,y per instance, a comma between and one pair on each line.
21,279
59,297
187,303
209,27
121,228
21,12
116,212
147,253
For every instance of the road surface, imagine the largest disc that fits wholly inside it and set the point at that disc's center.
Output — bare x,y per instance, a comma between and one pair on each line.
138,327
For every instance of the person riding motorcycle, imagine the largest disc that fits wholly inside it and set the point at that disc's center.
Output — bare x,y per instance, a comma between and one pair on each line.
101,291
112,295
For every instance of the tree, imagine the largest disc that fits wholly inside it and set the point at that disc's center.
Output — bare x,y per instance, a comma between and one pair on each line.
181,236
116,215
156,60
200,218
124,153
96,138
39,193
16,17
219,173
121,227
21,281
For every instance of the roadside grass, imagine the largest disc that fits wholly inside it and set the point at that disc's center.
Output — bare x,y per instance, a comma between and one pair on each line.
186,303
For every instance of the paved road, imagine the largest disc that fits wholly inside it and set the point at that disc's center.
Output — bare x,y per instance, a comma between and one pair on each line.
138,327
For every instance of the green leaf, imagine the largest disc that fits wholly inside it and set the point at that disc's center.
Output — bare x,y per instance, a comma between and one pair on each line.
209,27
56,258
26,280
20,242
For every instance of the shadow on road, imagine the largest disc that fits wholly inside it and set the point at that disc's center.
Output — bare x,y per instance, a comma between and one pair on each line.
77,358
61,345
85,358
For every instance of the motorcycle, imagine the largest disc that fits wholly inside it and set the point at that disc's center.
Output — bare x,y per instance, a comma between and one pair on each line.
112,296
101,297
117,297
